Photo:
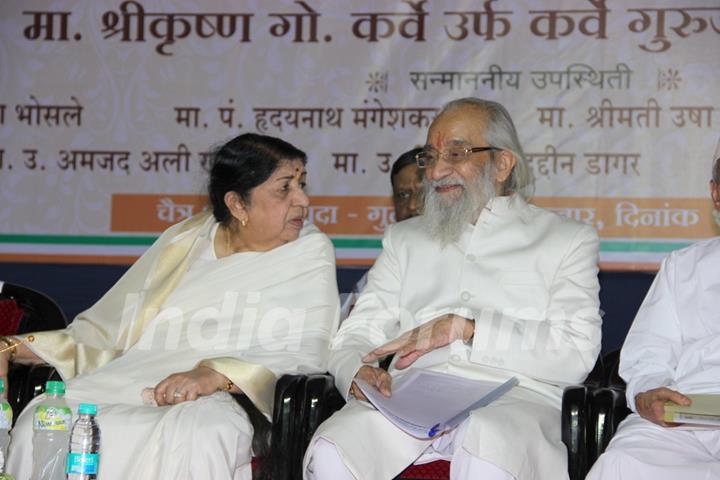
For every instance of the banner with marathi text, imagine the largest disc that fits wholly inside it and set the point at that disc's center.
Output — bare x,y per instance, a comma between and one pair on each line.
109,109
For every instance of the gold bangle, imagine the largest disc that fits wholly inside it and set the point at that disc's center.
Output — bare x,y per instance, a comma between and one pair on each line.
9,346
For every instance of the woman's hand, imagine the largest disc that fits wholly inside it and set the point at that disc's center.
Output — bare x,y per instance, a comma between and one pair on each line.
185,386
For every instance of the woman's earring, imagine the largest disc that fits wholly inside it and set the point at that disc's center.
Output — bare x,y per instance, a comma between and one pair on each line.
243,222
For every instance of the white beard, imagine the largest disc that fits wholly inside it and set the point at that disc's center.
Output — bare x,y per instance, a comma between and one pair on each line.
447,216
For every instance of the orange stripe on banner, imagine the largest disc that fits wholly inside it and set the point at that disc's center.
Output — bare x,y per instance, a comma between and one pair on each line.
335,215
636,218
629,267
355,262
80,259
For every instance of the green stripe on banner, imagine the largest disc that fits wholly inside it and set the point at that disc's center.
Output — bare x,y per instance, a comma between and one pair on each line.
369,243
357,243
653,247
77,240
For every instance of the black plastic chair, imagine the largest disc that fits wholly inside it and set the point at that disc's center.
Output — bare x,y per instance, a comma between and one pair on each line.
591,414
576,418
608,407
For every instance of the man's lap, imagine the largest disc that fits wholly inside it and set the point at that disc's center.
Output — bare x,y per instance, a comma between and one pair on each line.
637,435
515,434
641,449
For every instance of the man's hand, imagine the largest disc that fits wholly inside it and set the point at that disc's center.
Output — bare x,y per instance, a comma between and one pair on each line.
427,337
374,376
651,404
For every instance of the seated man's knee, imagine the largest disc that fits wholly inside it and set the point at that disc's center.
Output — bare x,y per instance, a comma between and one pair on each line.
325,462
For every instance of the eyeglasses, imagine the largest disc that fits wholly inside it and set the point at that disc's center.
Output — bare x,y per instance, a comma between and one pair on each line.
453,155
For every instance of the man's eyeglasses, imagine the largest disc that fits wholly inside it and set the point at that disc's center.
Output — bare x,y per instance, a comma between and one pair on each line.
453,155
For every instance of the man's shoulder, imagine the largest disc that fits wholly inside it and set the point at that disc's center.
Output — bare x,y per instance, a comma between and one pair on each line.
411,226
554,223
697,252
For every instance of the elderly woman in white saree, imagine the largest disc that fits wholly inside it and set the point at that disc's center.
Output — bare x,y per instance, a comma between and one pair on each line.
222,302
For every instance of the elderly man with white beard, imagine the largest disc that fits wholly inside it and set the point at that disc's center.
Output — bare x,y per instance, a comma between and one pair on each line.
482,285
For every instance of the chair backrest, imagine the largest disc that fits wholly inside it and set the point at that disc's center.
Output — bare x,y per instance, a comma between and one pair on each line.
24,310
39,312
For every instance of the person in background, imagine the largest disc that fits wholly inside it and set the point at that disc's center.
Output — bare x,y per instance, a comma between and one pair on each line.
223,302
482,285
406,181
671,350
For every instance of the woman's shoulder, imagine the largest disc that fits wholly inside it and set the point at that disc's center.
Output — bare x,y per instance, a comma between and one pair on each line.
311,233
314,242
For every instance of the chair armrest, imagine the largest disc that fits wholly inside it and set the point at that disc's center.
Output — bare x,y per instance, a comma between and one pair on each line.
317,399
607,409
574,421
321,399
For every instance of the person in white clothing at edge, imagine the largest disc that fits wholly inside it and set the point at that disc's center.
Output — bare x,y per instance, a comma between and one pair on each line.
671,350
483,285
406,181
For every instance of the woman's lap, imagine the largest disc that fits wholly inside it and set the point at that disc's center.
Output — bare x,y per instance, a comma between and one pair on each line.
207,438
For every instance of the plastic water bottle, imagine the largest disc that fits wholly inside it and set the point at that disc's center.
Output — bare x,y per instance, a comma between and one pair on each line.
6,416
84,457
51,425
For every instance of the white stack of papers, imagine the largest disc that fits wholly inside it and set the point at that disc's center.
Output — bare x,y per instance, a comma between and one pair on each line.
426,404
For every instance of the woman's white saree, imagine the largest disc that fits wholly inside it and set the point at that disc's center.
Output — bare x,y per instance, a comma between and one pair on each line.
251,316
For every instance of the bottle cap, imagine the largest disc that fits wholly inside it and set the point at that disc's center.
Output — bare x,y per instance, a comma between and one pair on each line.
54,387
87,409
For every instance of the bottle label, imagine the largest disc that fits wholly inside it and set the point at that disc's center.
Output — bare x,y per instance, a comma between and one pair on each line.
52,418
6,415
84,463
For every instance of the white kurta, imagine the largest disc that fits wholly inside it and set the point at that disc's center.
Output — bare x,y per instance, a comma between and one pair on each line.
674,342
277,309
529,279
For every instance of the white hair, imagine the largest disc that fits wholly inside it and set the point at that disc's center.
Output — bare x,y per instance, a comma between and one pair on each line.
446,218
500,132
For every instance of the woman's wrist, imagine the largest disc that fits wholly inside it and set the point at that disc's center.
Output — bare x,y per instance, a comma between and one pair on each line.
8,345
227,385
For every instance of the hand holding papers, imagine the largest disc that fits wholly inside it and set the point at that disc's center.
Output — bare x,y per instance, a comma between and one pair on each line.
372,376
650,404
426,404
